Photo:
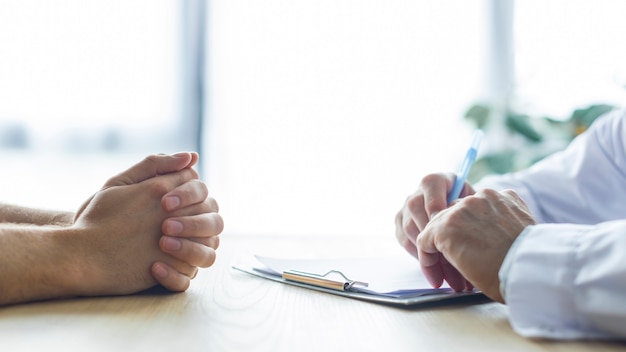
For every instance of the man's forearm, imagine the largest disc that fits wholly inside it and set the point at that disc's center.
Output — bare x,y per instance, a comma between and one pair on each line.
35,263
22,215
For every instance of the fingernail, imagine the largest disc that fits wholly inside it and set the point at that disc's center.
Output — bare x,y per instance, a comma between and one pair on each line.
173,227
159,271
181,155
172,203
171,244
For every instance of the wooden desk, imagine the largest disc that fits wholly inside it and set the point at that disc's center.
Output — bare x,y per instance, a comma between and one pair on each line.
226,310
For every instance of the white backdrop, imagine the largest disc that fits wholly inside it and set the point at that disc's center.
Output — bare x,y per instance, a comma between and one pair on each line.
324,115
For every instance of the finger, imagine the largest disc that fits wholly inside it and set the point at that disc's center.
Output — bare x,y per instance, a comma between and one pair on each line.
409,219
435,188
195,273
194,159
455,280
213,242
192,192
403,238
161,185
415,214
430,258
201,225
152,166
431,268
190,252
170,278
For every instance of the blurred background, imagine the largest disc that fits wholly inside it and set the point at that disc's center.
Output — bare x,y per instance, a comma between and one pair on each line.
311,117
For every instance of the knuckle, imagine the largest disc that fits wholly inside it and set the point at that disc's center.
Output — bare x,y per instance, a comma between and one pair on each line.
200,254
488,193
184,192
194,173
199,187
183,285
209,225
215,242
511,193
210,260
435,180
152,159
204,255
407,229
431,178
158,186
211,205
111,180
472,202
204,189
420,241
194,274
189,174
415,203
218,223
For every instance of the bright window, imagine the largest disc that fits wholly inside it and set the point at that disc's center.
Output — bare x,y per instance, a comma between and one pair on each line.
569,54
86,88
324,115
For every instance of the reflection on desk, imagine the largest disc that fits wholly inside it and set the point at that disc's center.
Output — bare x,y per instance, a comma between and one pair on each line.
226,310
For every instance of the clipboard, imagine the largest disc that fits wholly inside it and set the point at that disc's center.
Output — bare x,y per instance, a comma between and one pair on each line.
306,273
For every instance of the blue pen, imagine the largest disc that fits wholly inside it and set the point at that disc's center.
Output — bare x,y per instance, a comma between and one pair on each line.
459,182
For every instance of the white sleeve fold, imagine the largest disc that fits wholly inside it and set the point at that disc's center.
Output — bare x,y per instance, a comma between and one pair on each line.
567,281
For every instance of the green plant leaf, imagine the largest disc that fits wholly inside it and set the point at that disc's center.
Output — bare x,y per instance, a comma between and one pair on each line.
479,113
520,123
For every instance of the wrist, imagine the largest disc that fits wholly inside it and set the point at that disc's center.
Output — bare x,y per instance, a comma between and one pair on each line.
38,263
72,268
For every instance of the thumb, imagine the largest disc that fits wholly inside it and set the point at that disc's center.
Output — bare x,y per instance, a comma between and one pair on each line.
152,166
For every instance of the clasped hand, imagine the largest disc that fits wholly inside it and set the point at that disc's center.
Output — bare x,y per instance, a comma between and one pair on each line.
153,223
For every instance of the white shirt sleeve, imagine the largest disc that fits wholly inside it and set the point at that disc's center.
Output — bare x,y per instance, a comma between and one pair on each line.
566,277
567,281
584,184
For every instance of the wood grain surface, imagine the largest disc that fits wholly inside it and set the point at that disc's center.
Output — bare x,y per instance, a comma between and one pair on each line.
227,310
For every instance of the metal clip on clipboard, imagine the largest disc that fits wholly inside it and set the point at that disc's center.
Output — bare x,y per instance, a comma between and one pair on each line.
322,280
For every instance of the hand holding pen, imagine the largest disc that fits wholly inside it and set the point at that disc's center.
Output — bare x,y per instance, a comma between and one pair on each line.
464,245
431,197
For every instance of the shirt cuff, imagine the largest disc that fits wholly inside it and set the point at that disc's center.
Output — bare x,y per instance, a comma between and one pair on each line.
537,280
503,274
